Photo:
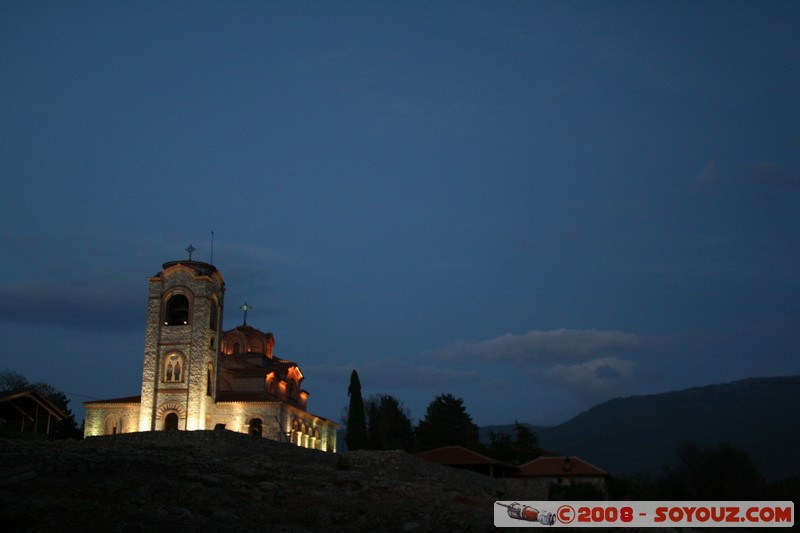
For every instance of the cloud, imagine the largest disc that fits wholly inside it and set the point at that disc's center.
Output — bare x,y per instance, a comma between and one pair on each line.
74,304
542,346
595,376
775,176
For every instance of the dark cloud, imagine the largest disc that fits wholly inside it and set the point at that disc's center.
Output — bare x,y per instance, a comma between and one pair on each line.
598,376
771,175
543,346
111,296
606,372
74,305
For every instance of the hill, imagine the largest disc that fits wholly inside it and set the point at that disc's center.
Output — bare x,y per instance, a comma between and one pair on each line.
225,481
639,434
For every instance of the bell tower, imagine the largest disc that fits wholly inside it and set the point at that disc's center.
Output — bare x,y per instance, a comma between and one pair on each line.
181,351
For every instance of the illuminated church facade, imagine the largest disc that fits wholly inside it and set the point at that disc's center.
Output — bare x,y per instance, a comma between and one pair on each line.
197,376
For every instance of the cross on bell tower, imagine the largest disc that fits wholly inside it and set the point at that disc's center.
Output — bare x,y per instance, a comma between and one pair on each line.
245,308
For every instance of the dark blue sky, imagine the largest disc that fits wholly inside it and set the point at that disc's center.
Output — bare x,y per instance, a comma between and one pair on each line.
535,206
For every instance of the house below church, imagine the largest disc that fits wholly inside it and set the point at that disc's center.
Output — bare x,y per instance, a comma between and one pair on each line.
197,376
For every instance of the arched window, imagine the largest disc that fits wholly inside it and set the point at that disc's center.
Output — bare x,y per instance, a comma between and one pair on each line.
209,381
173,368
212,321
177,311
255,427
235,347
113,425
171,422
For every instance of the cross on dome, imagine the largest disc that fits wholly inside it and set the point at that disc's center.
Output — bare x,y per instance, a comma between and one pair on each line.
245,308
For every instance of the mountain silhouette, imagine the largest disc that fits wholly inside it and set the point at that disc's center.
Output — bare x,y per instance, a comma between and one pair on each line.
640,434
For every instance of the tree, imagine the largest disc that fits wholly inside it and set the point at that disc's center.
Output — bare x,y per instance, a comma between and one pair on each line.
713,473
519,449
501,446
388,424
447,423
356,426
11,381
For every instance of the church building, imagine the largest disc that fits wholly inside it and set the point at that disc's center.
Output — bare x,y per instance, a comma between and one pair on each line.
196,375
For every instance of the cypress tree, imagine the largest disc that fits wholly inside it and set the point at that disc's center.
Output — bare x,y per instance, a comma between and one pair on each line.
356,424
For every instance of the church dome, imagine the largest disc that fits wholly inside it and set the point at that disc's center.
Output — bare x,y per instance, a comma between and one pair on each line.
247,340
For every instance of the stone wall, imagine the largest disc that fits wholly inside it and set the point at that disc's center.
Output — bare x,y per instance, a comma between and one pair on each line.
108,419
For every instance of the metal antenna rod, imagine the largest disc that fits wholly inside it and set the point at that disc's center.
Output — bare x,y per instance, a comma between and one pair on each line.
212,248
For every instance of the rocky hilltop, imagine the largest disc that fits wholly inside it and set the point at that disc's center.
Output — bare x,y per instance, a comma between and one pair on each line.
226,481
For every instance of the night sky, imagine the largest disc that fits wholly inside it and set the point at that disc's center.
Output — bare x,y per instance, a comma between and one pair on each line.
534,206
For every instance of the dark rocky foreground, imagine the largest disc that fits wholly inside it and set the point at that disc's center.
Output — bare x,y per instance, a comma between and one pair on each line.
225,481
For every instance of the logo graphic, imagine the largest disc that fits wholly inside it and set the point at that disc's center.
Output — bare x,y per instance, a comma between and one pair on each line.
565,514
639,514
529,514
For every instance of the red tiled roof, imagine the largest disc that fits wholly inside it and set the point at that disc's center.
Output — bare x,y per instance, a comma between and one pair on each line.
248,329
246,366
457,455
560,467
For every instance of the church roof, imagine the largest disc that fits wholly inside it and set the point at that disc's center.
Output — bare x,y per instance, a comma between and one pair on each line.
247,364
244,328
126,399
204,269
